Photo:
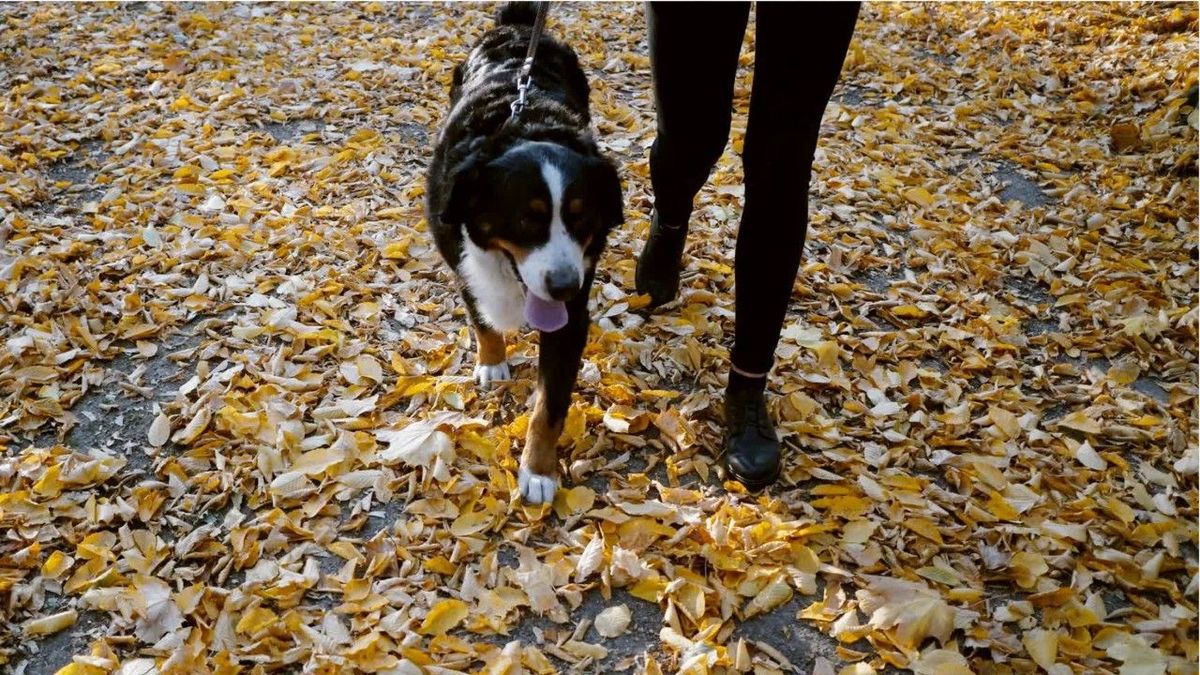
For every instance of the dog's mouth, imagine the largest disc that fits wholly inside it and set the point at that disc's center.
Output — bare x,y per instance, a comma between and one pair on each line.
544,315
540,313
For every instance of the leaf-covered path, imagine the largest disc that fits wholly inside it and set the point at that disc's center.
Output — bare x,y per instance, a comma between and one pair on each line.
239,431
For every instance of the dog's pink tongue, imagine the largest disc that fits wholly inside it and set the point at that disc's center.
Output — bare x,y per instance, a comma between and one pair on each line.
545,315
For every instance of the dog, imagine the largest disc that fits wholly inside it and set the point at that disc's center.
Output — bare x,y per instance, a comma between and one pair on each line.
520,207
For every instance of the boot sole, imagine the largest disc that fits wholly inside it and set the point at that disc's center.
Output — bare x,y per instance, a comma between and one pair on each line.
755,485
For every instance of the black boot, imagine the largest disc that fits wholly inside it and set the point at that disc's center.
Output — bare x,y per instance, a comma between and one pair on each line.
659,264
751,446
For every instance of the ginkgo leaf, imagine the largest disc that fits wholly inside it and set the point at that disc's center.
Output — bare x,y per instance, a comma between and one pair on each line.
771,596
1088,457
591,559
194,427
919,196
156,611
912,610
444,616
420,444
51,624
160,431
613,621
1042,646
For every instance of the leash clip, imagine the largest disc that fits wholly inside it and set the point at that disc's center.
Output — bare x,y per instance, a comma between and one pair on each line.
524,79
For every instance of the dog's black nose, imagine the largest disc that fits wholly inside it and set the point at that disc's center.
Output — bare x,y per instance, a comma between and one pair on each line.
562,283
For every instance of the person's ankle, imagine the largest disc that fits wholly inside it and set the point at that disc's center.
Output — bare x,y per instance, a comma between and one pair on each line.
672,224
745,382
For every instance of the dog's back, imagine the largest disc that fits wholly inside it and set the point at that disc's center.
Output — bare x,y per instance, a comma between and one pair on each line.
498,56
482,91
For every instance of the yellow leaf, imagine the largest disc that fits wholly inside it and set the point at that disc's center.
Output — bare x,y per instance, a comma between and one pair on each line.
578,499
1124,372
1027,568
346,550
941,662
440,565
998,506
623,419
56,565
397,250
49,484
1005,421
657,393
637,302
913,609
1079,421
48,625
925,528
650,589
76,668
255,620
939,575
317,461
471,522
909,312
195,427
1042,646
846,506
771,596
919,196
807,561
444,616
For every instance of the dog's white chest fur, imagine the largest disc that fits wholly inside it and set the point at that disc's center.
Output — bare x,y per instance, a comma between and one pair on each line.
498,292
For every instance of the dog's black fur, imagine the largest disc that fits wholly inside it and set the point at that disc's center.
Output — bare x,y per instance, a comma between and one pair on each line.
485,181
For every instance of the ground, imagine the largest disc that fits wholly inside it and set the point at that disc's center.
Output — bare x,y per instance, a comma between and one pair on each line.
236,412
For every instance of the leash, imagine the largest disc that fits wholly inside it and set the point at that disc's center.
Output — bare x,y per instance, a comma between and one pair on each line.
524,76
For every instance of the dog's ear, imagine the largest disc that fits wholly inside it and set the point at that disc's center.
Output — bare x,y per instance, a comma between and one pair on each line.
464,191
605,186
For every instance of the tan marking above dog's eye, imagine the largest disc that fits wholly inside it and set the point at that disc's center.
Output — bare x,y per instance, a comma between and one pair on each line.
575,206
538,205
518,253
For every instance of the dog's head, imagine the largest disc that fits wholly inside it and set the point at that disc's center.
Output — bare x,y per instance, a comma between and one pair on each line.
547,206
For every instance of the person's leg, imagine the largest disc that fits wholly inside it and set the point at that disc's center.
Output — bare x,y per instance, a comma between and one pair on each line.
799,50
694,51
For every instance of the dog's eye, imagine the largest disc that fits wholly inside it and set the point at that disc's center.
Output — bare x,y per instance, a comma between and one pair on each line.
579,224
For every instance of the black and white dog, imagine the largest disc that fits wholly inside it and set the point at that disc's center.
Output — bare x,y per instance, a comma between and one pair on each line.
521,207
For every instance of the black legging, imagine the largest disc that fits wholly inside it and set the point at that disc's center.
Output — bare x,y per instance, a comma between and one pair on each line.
799,50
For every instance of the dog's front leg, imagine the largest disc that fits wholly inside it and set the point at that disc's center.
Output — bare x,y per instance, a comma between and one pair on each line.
490,356
559,355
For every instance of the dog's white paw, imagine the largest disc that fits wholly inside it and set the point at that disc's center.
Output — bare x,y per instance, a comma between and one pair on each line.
536,488
485,375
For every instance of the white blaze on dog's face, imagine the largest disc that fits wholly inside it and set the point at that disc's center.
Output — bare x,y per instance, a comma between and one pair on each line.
542,206
554,270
